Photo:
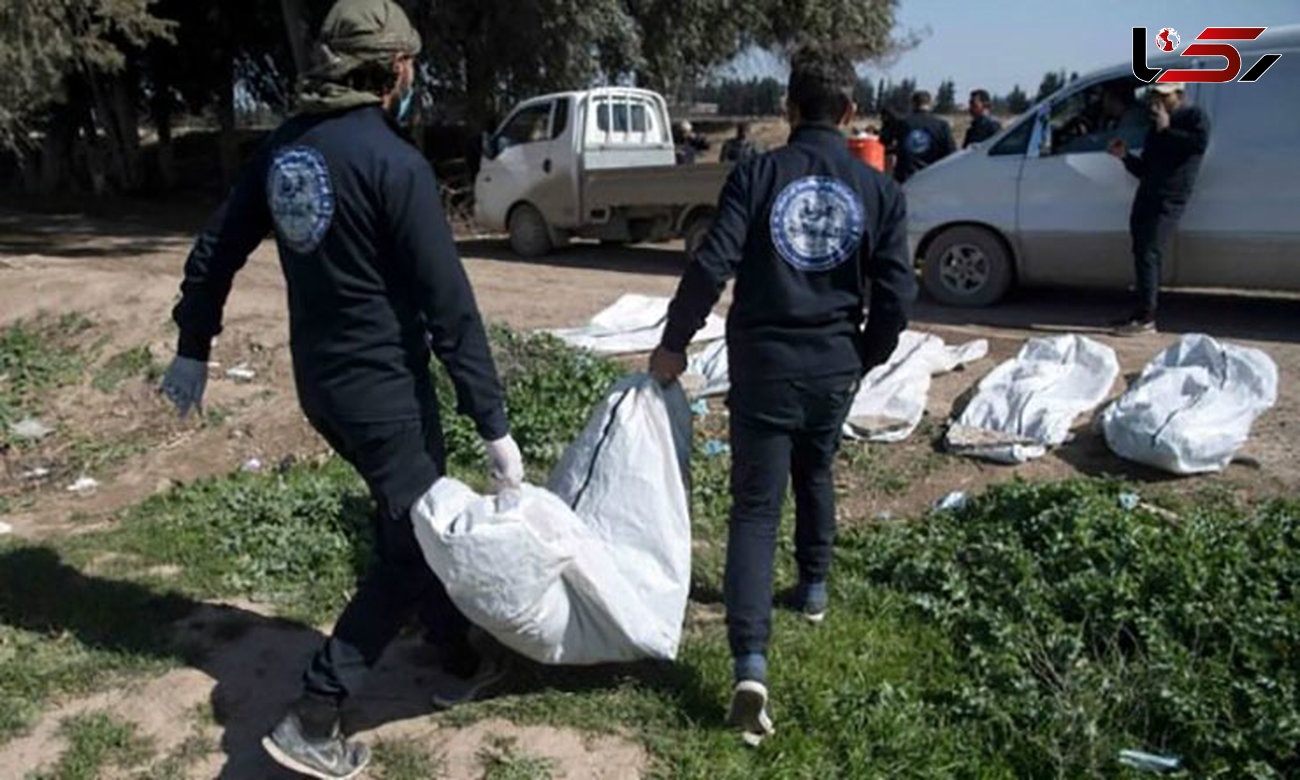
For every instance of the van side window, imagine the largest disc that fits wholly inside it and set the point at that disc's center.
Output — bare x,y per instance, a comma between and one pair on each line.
529,125
1086,120
561,121
1016,141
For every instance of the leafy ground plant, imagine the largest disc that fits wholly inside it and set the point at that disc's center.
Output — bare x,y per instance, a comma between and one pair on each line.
1081,628
98,742
36,356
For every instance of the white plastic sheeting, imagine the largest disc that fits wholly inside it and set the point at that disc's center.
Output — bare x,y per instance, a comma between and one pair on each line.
634,323
892,398
1193,406
1029,403
597,568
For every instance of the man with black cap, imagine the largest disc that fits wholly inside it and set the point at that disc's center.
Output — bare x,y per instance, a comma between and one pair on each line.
374,283
811,235
1171,157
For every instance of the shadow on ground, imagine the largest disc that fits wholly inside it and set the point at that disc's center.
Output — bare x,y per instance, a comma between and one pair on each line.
256,661
1218,313
663,260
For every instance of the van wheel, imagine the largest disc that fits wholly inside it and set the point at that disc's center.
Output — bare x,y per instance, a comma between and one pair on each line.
967,266
530,236
696,232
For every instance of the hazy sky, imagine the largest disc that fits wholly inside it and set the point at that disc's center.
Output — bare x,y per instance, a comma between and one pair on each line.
999,44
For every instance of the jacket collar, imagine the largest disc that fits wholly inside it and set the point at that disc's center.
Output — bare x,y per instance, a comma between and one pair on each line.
823,134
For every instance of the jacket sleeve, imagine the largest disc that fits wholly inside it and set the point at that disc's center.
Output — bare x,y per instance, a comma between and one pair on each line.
1194,137
715,262
893,281
1134,164
232,233
423,246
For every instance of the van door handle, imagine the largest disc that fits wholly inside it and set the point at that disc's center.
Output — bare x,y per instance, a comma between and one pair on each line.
546,166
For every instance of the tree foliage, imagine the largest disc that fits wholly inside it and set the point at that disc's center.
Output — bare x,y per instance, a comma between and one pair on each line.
1052,81
945,98
1017,101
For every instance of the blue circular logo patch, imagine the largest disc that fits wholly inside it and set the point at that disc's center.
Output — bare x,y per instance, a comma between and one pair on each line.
918,141
817,223
301,197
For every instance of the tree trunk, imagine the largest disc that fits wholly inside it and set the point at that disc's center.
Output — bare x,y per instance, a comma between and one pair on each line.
298,23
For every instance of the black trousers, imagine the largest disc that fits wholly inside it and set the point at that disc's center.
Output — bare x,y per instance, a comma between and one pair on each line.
1152,223
399,462
780,430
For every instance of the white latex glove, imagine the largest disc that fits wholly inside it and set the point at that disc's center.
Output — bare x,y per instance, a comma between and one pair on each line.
506,464
184,382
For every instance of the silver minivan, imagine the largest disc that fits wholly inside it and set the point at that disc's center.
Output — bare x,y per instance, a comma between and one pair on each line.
1043,203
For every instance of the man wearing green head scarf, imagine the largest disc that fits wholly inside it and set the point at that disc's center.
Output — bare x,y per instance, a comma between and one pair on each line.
374,284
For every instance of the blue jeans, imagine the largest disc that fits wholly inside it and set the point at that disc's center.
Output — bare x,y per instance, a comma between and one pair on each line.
779,430
1152,223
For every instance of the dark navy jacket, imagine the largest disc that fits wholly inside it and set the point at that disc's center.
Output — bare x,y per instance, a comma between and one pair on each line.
981,128
1171,158
923,138
805,229
372,272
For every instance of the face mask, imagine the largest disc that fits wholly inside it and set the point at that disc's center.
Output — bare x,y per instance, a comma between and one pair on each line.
405,104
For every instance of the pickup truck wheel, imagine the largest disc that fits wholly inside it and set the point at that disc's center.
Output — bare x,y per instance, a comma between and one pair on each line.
967,266
530,236
696,232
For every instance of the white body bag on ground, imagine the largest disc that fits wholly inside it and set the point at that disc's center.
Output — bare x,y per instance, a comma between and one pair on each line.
892,398
1192,407
1029,403
597,568
634,323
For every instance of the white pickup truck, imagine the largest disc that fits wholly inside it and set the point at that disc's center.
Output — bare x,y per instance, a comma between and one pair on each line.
594,164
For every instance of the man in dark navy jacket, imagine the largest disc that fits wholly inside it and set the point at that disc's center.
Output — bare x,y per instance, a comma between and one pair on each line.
374,283
811,235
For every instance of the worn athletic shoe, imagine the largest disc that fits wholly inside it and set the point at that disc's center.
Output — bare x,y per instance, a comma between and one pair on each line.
811,598
749,712
333,758
452,690
1135,327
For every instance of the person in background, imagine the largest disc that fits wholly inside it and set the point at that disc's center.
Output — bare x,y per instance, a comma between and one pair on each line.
687,143
1171,158
891,125
806,230
923,138
741,147
983,126
374,283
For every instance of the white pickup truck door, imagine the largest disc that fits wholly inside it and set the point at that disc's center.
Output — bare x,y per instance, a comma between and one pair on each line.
533,165
1072,210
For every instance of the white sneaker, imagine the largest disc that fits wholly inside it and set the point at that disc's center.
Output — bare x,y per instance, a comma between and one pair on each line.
749,712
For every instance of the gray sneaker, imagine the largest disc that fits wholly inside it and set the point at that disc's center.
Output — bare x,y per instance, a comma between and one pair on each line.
333,758
451,690
749,712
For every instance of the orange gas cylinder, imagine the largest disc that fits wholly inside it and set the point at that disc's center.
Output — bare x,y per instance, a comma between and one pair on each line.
868,149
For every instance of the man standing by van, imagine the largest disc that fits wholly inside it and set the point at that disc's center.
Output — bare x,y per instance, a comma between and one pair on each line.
374,282
983,126
923,138
1171,158
804,229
